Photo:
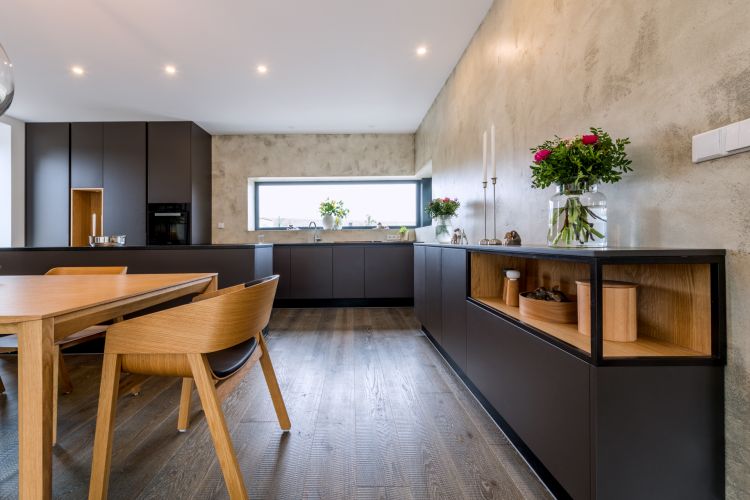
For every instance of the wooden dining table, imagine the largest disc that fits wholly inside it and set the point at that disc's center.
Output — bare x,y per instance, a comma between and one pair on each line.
42,309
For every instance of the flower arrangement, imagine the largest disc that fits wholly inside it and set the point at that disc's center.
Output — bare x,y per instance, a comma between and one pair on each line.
334,208
443,207
576,165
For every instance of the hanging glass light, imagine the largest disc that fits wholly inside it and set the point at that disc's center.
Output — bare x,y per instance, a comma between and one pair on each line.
6,81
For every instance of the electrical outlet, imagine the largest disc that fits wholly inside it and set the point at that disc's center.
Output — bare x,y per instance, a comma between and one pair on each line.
220,225
392,237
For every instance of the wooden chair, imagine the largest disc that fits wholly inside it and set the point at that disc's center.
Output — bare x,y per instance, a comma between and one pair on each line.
61,377
212,341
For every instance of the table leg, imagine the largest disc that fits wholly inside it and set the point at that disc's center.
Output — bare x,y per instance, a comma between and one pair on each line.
213,285
36,350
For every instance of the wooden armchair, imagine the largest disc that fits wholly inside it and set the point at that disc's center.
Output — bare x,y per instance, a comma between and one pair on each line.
61,378
211,341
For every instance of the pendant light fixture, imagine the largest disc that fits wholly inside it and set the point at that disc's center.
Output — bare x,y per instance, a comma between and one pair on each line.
6,81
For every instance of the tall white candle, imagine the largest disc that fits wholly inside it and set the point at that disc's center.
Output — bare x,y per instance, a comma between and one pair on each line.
492,152
484,156
93,224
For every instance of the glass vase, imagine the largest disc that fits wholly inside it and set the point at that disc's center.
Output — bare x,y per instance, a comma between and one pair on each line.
443,229
577,217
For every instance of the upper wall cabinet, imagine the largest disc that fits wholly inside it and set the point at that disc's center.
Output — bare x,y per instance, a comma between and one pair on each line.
47,184
86,155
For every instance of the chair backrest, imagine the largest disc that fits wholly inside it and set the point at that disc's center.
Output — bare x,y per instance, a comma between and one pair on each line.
226,318
87,270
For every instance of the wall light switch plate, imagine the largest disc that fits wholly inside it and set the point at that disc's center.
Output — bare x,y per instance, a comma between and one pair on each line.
393,237
729,140
220,225
707,146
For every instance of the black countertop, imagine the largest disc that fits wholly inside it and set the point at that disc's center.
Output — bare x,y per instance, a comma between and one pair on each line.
148,247
587,252
344,243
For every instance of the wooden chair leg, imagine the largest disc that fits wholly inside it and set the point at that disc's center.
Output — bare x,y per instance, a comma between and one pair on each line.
273,386
2,387
218,427
57,358
183,420
105,425
65,383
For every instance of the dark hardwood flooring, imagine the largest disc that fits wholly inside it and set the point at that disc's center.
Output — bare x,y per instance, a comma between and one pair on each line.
376,414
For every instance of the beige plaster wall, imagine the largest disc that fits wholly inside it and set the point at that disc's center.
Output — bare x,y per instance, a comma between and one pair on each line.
656,71
239,157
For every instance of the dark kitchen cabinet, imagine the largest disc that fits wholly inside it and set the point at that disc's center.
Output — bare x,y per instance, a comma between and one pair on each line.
124,174
453,281
47,184
282,265
433,318
419,284
200,185
389,271
541,391
86,155
348,272
169,158
312,272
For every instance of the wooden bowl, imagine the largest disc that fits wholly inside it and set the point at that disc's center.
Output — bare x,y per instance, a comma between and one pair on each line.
551,311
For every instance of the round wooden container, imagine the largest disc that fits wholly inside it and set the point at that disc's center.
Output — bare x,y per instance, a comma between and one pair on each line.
543,310
619,306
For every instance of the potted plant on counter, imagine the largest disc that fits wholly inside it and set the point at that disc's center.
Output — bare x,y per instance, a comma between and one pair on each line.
578,211
442,210
332,213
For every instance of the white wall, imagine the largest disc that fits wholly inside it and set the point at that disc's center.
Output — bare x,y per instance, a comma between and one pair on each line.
5,186
17,182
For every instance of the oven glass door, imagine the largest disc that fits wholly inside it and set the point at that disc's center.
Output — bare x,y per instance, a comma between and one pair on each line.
168,228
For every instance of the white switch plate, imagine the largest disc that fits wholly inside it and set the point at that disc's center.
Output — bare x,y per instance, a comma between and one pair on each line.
728,140
220,225
392,237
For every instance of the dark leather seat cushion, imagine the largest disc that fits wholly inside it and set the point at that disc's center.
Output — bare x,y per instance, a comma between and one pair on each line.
226,362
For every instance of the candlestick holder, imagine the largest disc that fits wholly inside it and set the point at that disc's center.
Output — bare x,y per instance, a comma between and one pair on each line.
485,241
494,240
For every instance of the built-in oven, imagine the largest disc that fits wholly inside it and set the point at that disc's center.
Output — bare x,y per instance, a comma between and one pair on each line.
168,223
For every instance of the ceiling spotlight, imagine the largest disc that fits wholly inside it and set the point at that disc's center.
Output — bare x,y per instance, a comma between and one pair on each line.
170,69
77,70
421,51
262,69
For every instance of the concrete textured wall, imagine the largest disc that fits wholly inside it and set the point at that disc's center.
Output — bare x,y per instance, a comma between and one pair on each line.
239,157
657,72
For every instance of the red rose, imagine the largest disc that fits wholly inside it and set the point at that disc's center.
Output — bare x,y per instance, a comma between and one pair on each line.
541,155
446,200
589,139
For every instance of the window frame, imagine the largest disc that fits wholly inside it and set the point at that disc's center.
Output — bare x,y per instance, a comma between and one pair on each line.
415,182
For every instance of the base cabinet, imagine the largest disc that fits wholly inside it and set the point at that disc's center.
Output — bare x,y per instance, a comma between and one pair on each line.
433,319
541,391
453,282
420,307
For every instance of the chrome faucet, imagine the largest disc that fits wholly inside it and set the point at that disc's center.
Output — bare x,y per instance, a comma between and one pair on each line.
316,233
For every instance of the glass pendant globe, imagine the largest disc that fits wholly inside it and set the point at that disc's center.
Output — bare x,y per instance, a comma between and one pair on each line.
6,81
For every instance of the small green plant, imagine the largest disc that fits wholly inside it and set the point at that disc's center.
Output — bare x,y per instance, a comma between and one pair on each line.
403,230
333,207
443,207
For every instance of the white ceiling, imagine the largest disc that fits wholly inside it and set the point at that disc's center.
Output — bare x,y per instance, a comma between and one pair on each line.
335,66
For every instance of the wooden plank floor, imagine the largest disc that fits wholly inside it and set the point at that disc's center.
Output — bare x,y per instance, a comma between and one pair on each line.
376,414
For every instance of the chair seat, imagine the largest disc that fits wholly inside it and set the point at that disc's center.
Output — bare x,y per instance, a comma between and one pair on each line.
225,362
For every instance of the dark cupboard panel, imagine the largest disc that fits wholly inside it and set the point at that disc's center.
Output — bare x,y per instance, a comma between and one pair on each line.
47,184
282,265
86,149
389,272
263,262
433,293
540,390
312,273
169,162
200,179
419,284
348,272
124,161
453,282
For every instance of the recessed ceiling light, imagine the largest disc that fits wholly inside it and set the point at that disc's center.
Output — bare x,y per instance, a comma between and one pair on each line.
77,70
421,50
262,69
170,69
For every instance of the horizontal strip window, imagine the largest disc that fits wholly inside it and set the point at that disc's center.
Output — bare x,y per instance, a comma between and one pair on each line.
397,203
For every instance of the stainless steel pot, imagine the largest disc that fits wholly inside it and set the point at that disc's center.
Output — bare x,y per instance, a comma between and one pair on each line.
107,241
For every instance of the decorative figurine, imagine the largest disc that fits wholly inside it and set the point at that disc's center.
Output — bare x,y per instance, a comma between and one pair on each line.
512,239
456,238
464,238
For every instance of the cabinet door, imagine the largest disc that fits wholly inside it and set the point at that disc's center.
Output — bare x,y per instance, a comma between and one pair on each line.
419,284
169,162
200,179
283,267
86,155
389,271
47,184
124,161
454,304
348,272
312,272
541,391
433,293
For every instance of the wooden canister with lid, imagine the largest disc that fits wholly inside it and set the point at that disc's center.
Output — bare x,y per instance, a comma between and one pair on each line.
619,310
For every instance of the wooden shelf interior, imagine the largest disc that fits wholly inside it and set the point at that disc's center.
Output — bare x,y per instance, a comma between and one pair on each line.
83,204
674,302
